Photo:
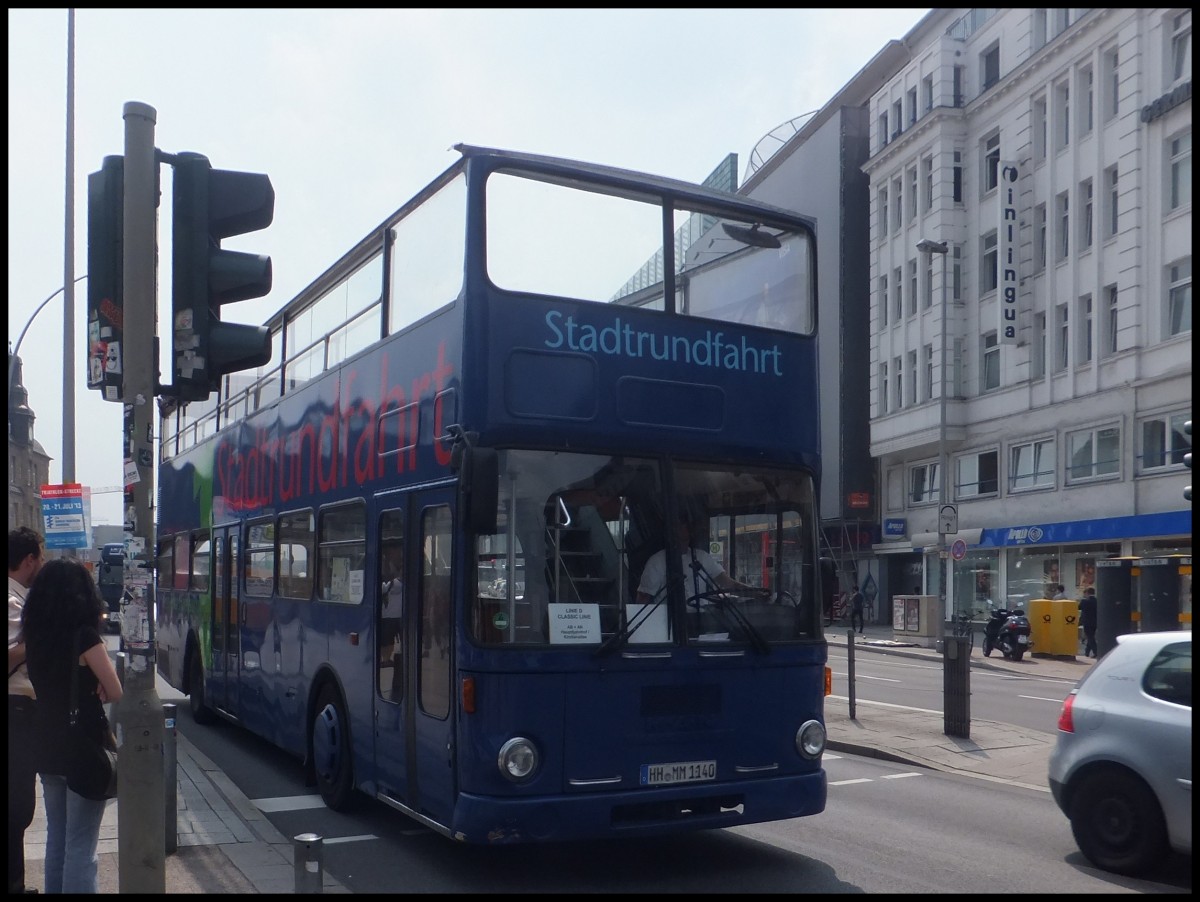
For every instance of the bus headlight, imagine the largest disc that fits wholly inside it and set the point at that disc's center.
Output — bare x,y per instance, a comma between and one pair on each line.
518,759
810,739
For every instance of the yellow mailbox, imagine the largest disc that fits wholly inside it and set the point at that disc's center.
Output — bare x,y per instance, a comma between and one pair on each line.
1054,626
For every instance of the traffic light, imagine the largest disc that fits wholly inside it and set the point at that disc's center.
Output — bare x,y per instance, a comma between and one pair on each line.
1187,458
211,204
105,291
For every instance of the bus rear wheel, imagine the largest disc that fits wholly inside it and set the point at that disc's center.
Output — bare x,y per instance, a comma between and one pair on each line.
201,713
332,761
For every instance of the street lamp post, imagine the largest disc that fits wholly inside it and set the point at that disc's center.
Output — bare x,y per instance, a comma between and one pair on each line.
942,249
956,673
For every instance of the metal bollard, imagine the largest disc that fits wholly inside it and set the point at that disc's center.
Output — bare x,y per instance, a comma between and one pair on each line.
851,694
170,778
308,850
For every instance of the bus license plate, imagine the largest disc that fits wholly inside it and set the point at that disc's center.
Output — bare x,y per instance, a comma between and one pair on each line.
679,772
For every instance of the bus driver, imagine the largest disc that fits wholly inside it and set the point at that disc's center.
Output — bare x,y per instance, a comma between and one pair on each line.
702,572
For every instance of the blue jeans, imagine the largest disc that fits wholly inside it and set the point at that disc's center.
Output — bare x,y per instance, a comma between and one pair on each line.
72,834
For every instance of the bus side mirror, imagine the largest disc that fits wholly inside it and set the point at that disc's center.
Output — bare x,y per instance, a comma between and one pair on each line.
828,568
480,478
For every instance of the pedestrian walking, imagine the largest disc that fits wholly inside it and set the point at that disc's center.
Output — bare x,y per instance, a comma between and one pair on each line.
24,560
61,625
856,609
1087,619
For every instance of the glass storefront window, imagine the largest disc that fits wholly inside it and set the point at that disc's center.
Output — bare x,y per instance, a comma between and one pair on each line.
976,584
1031,573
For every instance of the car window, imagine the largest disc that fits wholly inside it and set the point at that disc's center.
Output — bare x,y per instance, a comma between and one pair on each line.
1169,676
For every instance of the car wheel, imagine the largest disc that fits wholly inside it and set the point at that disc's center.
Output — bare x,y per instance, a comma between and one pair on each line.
332,762
201,713
1117,822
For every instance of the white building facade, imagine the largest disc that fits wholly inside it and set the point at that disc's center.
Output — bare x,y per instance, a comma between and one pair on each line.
1036,375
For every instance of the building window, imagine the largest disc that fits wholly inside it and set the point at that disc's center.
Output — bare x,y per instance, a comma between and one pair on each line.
1181,171
883,131
1038,351
1087,92
959,75
1179,297
1110,217
912,194
987,264
923,482
883,301
1085,329
883,211
897,203
956,273
883,389
898,294
1062,18
927,301
1093,453
1181,46
1039,129
1062,336
1109,345
991,161
929,372
1112,80
927,167
898,381
957,177
989,65
927,89
989,377
1063,211
977,475
1039,28
1062,114
911,373
912,287
1085,218
1039,237
897,119
912,106
1163,442
1031,465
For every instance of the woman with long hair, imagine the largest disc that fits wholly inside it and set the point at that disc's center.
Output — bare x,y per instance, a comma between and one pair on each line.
61,627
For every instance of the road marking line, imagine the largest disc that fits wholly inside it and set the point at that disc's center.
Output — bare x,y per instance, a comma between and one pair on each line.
288,803
899,776
850,782
339,839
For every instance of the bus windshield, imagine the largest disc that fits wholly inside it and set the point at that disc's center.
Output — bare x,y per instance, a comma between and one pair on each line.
583,554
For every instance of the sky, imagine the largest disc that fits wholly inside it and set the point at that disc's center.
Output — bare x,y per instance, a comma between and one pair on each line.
351,112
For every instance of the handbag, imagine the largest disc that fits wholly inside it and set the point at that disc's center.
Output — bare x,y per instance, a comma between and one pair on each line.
91,765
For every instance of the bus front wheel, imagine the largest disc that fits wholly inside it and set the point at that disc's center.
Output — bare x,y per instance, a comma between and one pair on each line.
331,750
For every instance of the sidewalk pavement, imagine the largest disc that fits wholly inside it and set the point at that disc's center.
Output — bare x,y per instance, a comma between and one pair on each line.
993,751
226,845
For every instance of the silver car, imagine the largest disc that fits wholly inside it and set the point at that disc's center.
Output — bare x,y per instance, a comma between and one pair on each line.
1121,769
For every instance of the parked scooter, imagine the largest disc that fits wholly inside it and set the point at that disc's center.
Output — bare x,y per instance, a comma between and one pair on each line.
1008,631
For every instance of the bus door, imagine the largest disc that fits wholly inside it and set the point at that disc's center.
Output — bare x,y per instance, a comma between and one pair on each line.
414,726
226,638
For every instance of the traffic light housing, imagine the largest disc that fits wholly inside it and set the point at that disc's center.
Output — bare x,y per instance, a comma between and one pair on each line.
1187,458
209,205
105,290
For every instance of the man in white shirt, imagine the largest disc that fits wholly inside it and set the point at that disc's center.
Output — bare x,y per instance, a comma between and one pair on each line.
701,571
24,560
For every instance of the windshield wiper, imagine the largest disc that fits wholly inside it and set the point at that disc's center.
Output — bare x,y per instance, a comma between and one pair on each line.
726,608
621,636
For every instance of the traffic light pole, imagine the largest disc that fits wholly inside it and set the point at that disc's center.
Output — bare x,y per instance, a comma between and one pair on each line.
140,731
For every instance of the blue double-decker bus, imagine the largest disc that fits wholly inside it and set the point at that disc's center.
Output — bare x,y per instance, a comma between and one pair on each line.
431,549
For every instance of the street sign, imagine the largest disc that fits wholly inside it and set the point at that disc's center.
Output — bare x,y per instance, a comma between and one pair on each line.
63,516
948,519
958,550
